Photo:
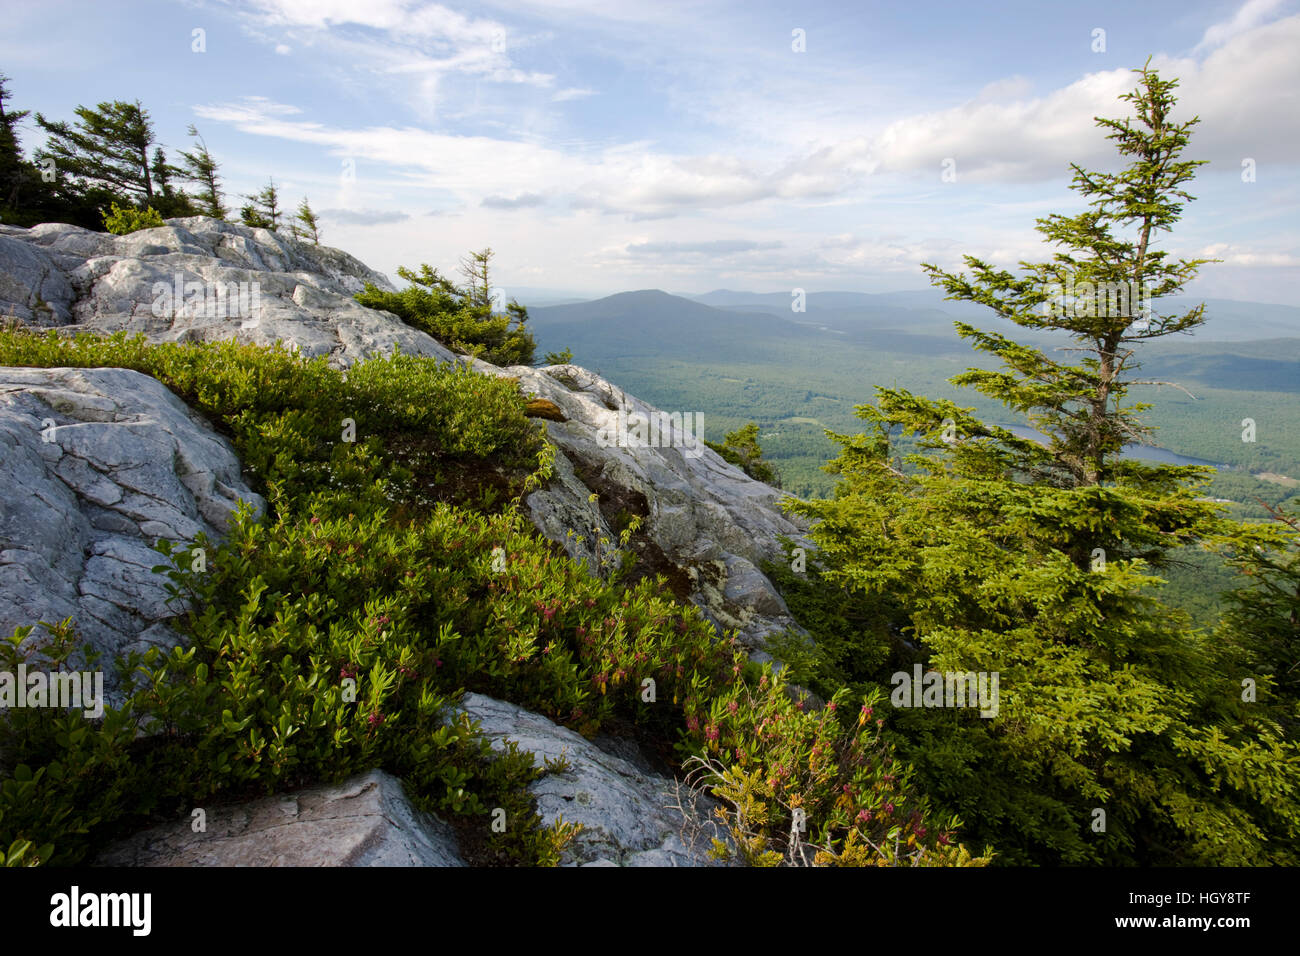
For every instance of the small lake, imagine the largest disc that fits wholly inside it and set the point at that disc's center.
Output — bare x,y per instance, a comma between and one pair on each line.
1161,456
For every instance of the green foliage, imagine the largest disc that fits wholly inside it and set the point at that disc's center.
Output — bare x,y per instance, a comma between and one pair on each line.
741,448
263,209
305,224
201,167
336,634
109,146
768,756
558,358
121,221
461,319
1263,619
424,432
992,554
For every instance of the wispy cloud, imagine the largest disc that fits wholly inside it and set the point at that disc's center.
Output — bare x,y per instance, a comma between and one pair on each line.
364,217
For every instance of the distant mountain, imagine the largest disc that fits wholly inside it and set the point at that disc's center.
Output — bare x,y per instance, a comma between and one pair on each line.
651,322
844,304
1227,320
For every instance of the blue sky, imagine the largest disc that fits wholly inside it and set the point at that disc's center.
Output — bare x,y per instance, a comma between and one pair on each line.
602,145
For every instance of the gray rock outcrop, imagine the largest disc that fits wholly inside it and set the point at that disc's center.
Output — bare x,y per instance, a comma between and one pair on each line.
630,815
200,279
705,524
365,821
97,465
109,460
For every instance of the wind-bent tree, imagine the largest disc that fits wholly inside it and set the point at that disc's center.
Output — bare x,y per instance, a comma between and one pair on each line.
169,201
200,167
12,172
305,223
1121,734
108,145
263,210
459,317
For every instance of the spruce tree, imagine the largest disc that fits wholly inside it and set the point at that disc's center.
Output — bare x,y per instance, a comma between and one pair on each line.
28,197
306,225
12,172
1120,735
108,145
169,201
478,286
200,167
264,208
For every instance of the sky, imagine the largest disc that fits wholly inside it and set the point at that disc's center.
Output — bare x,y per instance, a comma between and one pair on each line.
600,146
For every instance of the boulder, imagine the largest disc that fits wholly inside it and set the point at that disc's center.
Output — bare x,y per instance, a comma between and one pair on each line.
630,815
199,279
706,525
365,821
98,464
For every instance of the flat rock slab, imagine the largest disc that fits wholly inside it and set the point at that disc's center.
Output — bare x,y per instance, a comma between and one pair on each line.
365,821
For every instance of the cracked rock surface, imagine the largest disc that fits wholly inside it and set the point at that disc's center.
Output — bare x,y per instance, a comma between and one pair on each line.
59,275
96,465
707,526
365,821
627,811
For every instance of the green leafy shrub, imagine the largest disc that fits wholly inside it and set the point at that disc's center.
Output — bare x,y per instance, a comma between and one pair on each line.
457,318
336,634
741,449
121,220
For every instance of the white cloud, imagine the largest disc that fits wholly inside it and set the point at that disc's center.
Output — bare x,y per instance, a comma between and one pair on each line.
364,217
1248,16
1247,257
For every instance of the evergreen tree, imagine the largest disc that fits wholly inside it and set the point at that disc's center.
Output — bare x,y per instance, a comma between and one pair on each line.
169,201
264,209
478,287
459,317
28,196
993,554
1263,619
741,448
109,145
306,225
12,172
200,167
